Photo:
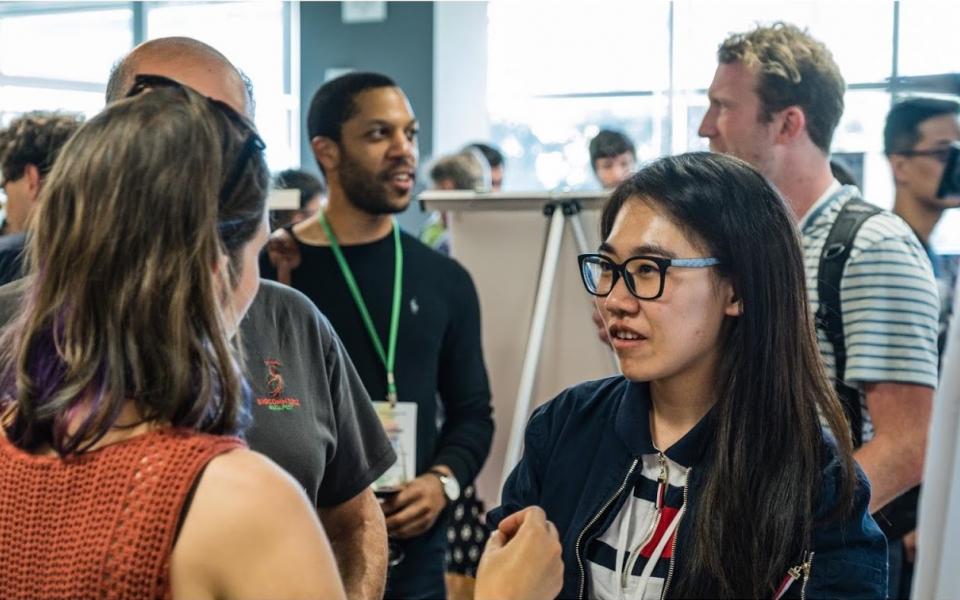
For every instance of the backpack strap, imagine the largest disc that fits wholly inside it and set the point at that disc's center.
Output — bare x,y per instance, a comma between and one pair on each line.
829,317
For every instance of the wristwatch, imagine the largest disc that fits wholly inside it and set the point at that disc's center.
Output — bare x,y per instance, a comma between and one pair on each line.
451,488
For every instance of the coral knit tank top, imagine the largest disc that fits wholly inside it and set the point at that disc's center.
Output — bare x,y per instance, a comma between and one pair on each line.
101,524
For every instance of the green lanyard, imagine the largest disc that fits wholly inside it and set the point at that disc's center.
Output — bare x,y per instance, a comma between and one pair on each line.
389,357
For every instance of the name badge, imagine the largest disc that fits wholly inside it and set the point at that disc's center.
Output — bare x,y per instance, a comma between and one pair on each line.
400,423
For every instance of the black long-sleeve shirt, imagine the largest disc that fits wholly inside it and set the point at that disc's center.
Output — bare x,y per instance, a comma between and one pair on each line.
439,358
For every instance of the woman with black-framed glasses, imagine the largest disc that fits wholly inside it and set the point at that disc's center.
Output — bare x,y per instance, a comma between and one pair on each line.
703,470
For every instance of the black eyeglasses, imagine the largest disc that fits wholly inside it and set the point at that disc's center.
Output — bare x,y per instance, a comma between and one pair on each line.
643,275
253,143
940,154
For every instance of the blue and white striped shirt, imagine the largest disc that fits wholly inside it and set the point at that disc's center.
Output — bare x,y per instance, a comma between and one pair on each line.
889,299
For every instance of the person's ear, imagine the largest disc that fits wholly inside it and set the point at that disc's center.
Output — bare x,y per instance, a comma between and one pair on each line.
733,306
791,124
32,173
327,153
899,164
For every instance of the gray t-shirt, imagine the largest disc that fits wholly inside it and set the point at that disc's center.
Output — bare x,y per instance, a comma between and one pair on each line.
311,414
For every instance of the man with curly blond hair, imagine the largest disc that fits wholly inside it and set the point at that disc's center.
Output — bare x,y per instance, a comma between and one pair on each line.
28,148
775,101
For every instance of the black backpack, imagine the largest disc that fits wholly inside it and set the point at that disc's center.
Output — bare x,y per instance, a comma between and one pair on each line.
900,516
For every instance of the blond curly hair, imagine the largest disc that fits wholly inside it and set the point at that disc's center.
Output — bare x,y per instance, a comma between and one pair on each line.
793,69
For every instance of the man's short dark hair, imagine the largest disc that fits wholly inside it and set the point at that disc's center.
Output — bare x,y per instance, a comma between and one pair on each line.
610,144
35,138
493,155
901,132
294,179
793,69
333,104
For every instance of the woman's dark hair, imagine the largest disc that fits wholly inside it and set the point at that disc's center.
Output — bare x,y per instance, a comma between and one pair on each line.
123,301
762,472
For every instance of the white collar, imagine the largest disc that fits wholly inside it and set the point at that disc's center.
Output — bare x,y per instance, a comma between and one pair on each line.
832,189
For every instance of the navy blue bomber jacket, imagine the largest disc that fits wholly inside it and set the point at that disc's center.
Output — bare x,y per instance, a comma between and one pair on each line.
578,451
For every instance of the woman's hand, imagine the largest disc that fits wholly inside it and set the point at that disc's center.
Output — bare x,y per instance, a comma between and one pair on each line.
521,560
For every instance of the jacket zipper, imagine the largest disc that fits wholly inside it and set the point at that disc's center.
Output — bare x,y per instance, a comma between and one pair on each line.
794,574
676,534
807,568
662,479
591,522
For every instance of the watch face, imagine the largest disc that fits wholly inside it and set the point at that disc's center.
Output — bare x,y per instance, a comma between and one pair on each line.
452,488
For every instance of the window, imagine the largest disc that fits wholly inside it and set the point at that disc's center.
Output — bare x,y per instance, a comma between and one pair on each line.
58,56
558,72
77,46
929,43
252,35
59,60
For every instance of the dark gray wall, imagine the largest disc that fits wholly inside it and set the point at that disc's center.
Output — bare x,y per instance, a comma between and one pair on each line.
400,47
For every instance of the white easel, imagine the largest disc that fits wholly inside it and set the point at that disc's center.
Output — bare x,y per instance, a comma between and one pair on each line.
560,208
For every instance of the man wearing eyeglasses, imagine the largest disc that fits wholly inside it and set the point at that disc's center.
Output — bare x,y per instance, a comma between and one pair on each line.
916,140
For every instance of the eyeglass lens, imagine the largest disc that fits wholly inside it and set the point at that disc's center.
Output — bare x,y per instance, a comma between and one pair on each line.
643,276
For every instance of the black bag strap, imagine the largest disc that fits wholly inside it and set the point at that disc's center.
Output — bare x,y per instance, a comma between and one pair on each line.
829,318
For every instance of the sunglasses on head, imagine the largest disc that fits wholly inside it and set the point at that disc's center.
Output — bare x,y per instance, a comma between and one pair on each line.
253,143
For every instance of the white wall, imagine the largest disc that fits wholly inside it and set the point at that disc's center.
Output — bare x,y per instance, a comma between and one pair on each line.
459,75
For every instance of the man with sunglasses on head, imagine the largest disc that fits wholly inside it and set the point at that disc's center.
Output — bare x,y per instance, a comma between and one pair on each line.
310,412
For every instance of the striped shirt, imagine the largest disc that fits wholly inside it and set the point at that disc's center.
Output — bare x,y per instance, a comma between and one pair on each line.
637,531
889,299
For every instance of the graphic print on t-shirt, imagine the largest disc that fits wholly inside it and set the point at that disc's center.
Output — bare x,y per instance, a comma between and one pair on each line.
275,387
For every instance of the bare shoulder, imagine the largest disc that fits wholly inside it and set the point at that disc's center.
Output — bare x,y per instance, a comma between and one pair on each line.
249,474
248,533
245,487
